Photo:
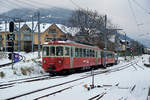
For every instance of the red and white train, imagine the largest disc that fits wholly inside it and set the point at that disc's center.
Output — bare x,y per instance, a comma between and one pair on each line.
66,56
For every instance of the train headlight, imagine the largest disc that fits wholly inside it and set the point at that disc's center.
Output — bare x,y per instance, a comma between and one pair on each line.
44,61
59,61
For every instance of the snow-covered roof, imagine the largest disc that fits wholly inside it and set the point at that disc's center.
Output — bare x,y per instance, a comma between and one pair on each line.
4,26
43,27
65,29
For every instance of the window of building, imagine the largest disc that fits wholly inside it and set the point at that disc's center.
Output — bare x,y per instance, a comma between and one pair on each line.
52,31
27,37
27,31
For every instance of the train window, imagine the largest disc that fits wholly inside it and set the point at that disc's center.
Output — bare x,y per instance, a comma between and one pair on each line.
99,53
88,53
59,51
46,51
77,52
80,52
84,52
67,51
109,55
52,51
102,54
94,55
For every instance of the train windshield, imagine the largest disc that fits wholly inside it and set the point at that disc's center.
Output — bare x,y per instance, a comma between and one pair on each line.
53,51
59,51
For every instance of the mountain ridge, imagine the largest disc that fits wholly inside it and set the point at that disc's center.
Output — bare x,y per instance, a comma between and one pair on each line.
47,15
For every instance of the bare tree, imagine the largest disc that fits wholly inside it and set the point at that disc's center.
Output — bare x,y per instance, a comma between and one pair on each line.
91,25
86,20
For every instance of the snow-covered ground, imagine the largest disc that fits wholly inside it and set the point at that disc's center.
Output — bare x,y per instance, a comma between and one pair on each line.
29,66
136,79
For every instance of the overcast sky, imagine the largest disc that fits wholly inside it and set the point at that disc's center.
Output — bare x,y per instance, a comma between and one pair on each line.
133,16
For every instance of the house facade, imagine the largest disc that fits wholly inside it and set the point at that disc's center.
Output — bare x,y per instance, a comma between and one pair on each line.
24,37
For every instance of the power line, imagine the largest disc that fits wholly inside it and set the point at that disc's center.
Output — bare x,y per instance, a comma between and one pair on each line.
27,3
4,4
141,7
75,4
12,3
130,6
40,3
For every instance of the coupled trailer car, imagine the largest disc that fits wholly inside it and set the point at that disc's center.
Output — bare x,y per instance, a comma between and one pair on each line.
66,56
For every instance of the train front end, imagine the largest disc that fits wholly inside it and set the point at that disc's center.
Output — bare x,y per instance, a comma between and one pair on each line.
54,58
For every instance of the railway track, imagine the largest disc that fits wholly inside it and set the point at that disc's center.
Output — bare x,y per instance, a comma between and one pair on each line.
53,93
4,65
71,81
114,69
11,83
97,97
7,64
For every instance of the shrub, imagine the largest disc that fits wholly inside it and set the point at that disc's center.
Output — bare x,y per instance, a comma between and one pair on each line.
30,69
41,72
14,72
23,71
2,74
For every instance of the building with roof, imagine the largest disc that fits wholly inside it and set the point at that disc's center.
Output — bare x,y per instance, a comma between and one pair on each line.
25,36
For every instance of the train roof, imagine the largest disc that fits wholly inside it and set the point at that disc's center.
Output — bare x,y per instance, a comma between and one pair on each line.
72,43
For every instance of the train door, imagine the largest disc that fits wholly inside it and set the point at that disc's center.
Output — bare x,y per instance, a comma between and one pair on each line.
99,59
71,56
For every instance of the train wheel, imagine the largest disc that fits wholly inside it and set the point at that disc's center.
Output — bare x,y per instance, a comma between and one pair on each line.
52,74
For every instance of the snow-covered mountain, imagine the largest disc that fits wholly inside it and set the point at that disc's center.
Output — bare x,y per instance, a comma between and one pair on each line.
47,15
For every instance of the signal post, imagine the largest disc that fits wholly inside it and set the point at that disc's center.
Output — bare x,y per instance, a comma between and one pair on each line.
11,38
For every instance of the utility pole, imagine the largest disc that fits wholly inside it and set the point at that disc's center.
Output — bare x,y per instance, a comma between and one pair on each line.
5,36
125,47
116,42
19,37
39,41
92,73
32,35
105,41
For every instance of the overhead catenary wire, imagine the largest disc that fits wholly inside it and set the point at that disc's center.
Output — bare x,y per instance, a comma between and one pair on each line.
135,18
28,4
140,6
133,14
12,3
40,3
75,4
4,5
